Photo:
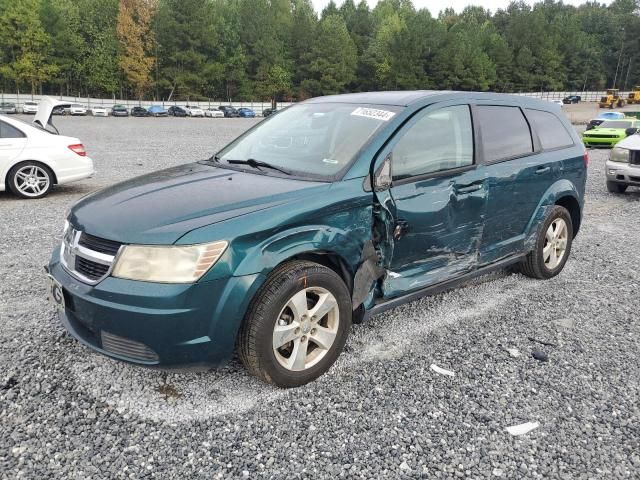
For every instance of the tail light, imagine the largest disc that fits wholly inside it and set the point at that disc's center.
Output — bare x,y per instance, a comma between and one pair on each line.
79,149
585,157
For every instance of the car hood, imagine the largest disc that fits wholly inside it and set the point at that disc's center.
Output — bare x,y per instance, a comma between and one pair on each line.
632,142
160,207
606,131
45,111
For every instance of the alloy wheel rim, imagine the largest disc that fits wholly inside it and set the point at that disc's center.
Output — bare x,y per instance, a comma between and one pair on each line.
555,244
31,180
306,329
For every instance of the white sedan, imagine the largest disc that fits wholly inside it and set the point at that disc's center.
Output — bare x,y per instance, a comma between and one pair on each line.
33,157
213,113
29,107
99,112
194,111
77,109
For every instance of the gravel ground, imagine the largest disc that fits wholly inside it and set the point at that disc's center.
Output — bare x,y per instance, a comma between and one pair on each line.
380,412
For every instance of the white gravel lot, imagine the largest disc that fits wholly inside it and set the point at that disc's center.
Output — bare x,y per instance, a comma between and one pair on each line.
381,412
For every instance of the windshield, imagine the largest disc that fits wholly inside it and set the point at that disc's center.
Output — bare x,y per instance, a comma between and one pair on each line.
317,140
615,124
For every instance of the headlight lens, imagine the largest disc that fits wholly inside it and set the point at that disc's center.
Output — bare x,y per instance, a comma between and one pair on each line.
619,155
167,264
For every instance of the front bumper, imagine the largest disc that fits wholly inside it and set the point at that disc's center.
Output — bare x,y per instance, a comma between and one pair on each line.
623,173
600,142
152,324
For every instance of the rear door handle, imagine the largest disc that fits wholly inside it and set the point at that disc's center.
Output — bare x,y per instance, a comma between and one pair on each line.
469,188
541,170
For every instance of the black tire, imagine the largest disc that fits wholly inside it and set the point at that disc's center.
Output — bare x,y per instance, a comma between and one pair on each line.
255,339
614,187
11,179
534,265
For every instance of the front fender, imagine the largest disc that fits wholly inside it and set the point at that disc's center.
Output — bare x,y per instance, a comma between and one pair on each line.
282,246
559,189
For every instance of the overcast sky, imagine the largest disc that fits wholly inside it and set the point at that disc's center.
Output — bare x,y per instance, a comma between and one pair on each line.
436,5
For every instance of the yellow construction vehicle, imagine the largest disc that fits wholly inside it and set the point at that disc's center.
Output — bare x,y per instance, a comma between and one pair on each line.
634,96
611,99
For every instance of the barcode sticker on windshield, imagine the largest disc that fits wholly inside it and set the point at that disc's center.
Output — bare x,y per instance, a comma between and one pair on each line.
383,115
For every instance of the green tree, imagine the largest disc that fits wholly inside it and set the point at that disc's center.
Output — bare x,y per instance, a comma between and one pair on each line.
26,44
332,60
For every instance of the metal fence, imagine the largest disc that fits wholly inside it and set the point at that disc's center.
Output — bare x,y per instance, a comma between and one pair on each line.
258,107
586,96
20,98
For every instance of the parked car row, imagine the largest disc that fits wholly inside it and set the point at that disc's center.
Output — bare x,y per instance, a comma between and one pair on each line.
119,110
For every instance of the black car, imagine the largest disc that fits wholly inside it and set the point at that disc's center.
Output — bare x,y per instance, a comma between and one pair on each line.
176,111
139,112
229,112
269,111
571,99
59,110
119,111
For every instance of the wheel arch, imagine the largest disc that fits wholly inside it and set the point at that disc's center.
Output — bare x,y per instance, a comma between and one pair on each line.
571,204
563,193
21,161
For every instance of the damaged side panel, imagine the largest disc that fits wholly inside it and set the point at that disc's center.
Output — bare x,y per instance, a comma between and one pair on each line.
429,231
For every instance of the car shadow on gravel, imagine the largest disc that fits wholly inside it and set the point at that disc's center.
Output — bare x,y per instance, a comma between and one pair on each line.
184,396
76,190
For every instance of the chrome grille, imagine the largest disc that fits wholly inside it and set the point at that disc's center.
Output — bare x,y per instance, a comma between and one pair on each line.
86,257
127,348
99,244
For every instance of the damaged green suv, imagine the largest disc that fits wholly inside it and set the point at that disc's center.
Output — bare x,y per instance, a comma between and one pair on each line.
331,211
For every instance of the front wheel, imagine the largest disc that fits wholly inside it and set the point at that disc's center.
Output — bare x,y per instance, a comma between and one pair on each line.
614,187
553,245
296,325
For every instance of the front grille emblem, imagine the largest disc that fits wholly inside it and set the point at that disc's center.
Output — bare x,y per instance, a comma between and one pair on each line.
85,264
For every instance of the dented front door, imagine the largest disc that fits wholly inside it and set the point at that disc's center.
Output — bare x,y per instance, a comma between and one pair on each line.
438,229
436,205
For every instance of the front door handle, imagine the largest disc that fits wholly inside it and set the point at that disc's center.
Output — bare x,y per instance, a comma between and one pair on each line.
541,170
469,188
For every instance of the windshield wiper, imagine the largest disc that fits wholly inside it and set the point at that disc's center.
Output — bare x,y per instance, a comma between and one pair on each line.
252,162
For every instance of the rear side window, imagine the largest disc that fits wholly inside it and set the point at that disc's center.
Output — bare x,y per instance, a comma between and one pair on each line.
550,130
440,140
504,131
9,131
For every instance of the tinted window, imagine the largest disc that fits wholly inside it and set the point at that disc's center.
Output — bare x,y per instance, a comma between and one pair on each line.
504,132
550,130
8,131
439,140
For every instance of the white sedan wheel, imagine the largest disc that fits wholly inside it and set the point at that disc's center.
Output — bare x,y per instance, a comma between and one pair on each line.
31,181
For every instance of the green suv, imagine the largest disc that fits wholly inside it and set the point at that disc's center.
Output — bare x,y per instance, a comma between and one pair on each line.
335,209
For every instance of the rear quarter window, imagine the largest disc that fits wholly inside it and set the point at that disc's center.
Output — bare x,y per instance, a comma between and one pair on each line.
9,131
504,132
551,131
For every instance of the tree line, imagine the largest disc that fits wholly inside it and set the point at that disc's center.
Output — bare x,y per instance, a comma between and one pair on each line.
264,49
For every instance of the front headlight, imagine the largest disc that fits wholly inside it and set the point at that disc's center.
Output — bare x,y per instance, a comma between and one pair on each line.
619,155
167,264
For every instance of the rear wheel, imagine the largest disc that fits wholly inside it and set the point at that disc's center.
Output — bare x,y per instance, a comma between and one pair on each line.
552,248
297,324
30,180
614,187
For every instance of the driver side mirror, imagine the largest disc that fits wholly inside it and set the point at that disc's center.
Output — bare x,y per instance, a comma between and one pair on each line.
382,176
630,131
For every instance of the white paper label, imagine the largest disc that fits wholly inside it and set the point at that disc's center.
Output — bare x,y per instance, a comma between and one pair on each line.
383,115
